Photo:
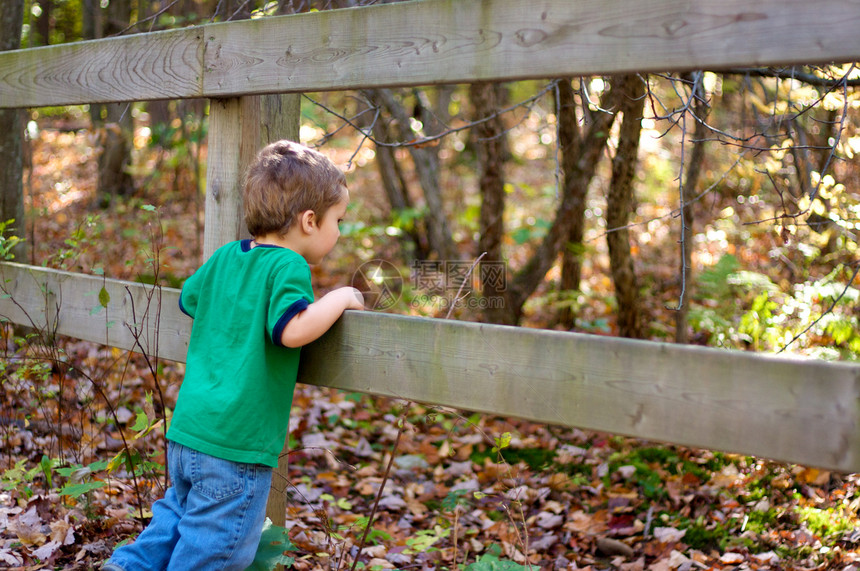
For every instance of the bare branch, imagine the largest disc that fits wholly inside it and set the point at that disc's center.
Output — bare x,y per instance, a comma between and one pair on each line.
793,73
429,139
674,212
148,19
826,312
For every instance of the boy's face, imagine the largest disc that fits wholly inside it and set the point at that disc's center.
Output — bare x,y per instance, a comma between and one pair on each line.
328,230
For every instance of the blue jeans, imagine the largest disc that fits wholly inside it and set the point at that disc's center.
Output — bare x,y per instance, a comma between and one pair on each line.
210,518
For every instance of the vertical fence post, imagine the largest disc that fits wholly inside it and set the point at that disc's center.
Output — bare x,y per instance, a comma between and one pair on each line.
234,132
238,128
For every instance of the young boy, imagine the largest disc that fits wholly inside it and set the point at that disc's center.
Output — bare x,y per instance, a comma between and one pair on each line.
253,308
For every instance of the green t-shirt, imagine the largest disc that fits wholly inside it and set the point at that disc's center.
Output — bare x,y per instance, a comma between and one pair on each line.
235,399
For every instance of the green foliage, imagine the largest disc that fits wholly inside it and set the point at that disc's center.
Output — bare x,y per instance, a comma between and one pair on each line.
705,537
742,309
8,241
491,561
76,480
270,552
826,522
19,477
714,281
762,521
653,463
454,499
406,218
647,466
424,539
758,325
502,441
532,229
130,457
76,490
373,536
79,242
536,458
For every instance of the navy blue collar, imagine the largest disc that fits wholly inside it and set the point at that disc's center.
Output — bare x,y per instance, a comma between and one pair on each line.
246,245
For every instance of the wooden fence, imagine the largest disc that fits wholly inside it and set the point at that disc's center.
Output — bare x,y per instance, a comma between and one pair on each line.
801,411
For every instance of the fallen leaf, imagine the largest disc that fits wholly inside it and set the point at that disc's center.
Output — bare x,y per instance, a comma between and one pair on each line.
392,502
62,532
46,551
547,520
638,565
729,476
7,556
27,527
669,534
766,558
731,558
677,559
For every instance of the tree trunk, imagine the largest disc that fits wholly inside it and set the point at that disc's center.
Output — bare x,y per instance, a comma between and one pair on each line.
490,145
114,179
426,164
396,189
689,182
12,134
576,182
42,25
92,19
113,176
620,201
569,142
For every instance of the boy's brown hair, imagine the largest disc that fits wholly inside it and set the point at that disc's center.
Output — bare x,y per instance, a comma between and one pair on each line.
284,180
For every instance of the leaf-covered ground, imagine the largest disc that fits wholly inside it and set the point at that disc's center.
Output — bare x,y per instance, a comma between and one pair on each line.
549,497
463,489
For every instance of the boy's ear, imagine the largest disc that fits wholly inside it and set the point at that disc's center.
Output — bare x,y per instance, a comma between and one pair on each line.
308,221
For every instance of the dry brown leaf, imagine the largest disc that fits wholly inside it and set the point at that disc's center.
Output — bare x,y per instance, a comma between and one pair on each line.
732,558
62,532
638,565
27,527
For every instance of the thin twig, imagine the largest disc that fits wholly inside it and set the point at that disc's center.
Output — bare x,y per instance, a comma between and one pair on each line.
674,212
425,140
557,157
826,312
402,424
466,278
147,19
808,78
379,492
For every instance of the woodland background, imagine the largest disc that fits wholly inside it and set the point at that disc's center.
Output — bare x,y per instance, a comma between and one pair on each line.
718,208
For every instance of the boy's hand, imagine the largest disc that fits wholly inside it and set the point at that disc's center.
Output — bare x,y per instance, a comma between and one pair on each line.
356,299
349,297
308,325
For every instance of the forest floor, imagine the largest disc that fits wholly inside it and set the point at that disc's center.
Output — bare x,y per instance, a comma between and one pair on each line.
464,489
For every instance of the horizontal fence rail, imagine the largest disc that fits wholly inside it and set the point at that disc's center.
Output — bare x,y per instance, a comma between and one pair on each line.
135,316
796,410
430,42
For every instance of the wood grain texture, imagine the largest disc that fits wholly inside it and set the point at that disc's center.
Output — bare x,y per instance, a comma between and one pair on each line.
137,317
433,41
234,135
787,409
796,410
158,65
450,41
